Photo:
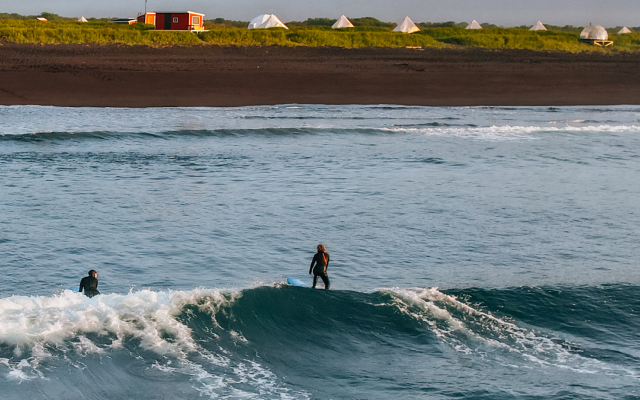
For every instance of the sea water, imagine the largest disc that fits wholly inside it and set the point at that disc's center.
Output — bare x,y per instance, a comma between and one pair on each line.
477,253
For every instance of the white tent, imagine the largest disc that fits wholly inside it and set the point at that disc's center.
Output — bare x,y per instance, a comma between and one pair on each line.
265,21
538,27
407,26
594,32
473,25
343,22
624,30
83,19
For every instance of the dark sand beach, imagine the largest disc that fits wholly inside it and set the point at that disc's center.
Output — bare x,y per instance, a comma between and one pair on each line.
136,76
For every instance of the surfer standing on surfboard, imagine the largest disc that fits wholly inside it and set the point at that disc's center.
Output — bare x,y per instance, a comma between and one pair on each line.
321,262
89,284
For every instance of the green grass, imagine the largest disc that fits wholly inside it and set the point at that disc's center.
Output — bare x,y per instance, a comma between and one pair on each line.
316,37
34,31
62,32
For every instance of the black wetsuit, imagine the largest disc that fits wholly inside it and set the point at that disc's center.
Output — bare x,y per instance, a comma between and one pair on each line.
90,286
320,269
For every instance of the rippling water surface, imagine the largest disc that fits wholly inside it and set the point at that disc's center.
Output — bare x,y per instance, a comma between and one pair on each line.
483,253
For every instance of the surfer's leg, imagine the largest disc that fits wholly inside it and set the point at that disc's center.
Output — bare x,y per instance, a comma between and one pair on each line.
325,279
315,280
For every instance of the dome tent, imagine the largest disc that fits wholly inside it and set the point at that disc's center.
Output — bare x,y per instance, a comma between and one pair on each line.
594,32
473,25
342,22
538,27
266,21
407,26
624,30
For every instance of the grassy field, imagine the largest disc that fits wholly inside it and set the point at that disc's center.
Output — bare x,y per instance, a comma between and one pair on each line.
61,32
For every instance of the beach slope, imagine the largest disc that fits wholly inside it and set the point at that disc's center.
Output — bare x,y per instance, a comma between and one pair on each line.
138,76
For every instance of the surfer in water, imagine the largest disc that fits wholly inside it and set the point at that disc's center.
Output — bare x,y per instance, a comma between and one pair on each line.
90,284
319,266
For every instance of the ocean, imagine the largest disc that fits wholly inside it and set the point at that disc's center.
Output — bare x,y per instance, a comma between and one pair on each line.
476,253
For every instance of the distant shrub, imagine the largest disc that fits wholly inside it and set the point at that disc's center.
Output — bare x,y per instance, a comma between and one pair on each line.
225,22
372,23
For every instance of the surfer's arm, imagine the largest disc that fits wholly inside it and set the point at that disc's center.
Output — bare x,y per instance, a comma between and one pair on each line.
81,285
311,267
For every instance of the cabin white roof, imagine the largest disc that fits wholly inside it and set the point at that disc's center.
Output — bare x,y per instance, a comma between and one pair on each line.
342,22
624,30
473,25
176,12
594,32
538,27
265,21
407,26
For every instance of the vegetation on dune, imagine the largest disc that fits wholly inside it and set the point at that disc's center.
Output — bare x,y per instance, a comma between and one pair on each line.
314,32
316,37
34,31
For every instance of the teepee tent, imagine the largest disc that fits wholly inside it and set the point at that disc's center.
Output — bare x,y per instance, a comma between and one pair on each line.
538,27
83,19
343,22
265,21
624,30
473,25
407,26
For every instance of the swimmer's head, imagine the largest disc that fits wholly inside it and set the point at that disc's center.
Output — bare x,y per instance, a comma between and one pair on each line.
321,248
93,272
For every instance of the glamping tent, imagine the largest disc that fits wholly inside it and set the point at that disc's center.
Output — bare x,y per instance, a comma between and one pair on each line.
595,34
343,22
473,25
41,19
624,30
83,19
538,27
265,21
407,26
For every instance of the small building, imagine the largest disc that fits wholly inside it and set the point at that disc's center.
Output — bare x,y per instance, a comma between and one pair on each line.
147,18
178,20
125,21
41,19
595,34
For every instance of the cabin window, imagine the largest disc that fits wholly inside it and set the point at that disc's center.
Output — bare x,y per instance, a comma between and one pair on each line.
195,20
175,20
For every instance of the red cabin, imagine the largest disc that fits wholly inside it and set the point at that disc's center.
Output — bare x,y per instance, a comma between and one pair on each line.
148,18
174,20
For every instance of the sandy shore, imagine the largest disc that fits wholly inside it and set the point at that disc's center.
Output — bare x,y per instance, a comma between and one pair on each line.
124,76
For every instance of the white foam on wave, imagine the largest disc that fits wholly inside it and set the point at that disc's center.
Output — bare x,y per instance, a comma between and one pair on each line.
34,327
473,332
509,132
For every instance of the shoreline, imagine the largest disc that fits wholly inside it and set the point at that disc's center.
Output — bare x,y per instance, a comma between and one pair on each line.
138,76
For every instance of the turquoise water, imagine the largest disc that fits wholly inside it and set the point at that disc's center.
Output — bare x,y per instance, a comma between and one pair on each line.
482,253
